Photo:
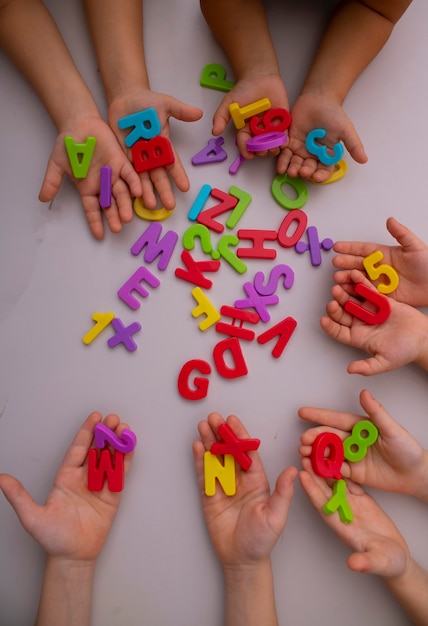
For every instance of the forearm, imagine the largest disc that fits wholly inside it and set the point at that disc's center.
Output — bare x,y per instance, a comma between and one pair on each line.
66,594
117,33
411,591
241,28
250,596
354,36
31,39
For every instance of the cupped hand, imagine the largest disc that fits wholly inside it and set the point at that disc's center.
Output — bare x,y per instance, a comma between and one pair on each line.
309,112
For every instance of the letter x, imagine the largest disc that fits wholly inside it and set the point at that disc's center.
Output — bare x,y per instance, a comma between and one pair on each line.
235,446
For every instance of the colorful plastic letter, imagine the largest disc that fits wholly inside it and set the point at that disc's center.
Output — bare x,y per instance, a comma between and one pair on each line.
271,286
234,347
227,203
105,464
274,120
104,435
151,215
204,235
134,284
225,474
152,153
258,237
234,167
102,320
339,503
323,465
105,187
212,153
80,166
124,334
213,76
321,151
314,245
374,273
286,240
162,248
206,307
381,303
224,249
266,141
244,200
232,444
233,329
256,301
285,201
198,204
356,445
201,384
284,330
194,274
146,125
239,115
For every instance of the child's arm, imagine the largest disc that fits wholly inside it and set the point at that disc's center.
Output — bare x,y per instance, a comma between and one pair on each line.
401,339
241,28
354,36
72,527
395,462
378,548
117,33
409,258
30,37
244,529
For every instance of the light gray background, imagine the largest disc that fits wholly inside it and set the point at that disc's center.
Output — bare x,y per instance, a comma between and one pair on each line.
158,568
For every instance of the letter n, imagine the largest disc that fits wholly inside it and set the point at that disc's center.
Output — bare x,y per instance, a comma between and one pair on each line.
225,474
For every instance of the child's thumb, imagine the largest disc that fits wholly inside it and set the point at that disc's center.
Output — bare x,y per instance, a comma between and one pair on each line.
20,500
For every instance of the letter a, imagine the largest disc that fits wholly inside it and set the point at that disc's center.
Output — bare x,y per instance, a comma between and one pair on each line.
80,167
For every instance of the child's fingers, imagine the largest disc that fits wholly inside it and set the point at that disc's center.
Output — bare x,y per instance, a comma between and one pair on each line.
23,504
283,493
147,193
198,450
208,429
122,199
404,236
94,217
326,417
368,367
182,111
131,178
51,182
78,450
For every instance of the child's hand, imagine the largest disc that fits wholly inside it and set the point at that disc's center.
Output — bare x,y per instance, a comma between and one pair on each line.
74,523
395,462
245,527
401,339
409,259
378,547
312,111
246,91
125,181
166,107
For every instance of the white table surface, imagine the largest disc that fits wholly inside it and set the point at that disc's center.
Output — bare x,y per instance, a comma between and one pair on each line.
158,567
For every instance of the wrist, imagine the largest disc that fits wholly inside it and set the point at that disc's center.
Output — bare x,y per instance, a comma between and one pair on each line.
250,595
240,575
73,570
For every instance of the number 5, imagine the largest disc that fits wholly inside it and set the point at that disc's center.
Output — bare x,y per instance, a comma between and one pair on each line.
374,272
